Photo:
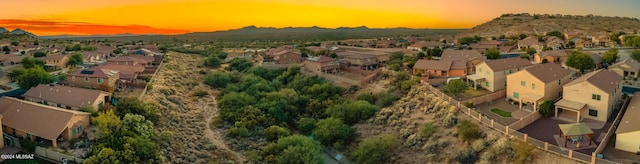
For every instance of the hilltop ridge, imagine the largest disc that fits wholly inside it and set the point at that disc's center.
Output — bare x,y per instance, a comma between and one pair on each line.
525,23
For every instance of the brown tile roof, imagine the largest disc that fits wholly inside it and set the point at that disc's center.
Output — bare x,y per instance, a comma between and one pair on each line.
554,53
69,96
94,72
55,57
490,42
635,65
529,41
630,122
135,59
462,55
321,59
421,44
128,72
37,119
548,72
508,63
596,58
433,65
457,65
604,79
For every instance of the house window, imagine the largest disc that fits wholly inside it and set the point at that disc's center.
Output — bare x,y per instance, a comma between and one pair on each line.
533,85
487,84
99,80
595,97
523,83
73,132
28,136
73,78
59,106
480,69
593,112
488,73
86,79
559,80
516,95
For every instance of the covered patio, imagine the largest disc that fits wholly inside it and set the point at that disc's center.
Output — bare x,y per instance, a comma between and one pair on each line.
532,98
569,105
475,80
574,133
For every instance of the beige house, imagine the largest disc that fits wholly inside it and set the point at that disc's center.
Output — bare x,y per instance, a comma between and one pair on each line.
92,78
322,64
440,68
628,130
35,121
67,97
471,57
536,84
492,74
56,61
551,56
530,42
628,68
594,95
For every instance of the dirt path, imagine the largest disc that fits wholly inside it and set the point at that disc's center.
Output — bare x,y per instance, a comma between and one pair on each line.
216,136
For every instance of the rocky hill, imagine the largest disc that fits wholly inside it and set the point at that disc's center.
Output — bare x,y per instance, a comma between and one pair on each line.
516,24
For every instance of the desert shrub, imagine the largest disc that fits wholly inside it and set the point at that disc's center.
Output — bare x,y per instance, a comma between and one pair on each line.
524,152
435,145
200,93
274,132
332,130
479,145
217,79
375,149
498,151
306,125
470,104
469,131
449,121
352,112
386,98
149,87
369,97
293,149
238,132
427,130
212,61
467,156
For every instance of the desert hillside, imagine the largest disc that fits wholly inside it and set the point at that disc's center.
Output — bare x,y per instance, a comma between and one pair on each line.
516,24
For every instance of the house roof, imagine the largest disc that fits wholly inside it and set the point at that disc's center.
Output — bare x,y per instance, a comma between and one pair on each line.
529,41
433,64
596,58
633,64
547,72
70,96
37,119
10,57
490,42
605,80
94,72
554,53
55,57
506,64
135,59
630,122
321,59
421,44
466,55
575,129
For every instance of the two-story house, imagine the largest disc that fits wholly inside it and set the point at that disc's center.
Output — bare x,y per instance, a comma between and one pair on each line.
551,56
67,97
471,57
285,55
530,42
35,121
56,61
92,78
628,130
322,64
492,74
536,84
628,69
594,95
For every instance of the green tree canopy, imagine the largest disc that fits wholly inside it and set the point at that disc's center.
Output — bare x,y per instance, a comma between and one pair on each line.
306,125
274,132
632,41
635,54
39,54
240,64
76,59
29,62
212,61
106,155
546,108
107,123
581,61
610,56
332,130
138,125
555,33
469,131
493,53
293,150
15,73
352,112
456,86
33,77
531,51
132,105
217,79
375,150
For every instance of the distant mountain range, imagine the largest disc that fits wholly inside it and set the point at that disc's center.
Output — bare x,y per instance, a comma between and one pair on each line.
16,31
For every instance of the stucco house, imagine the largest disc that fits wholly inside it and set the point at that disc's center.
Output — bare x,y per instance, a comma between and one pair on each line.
429,44
92,78
67,97
471,57
536,84
594,95
492,74
628,130
10,59
285,55
30,120
582,43
440,68
629,68
322,64
56,61
530,42
363,60
551,56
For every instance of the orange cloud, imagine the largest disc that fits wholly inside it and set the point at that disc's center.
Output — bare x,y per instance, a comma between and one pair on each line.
51,27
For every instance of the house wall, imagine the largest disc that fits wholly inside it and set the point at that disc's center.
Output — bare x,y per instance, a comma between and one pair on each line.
514,85
583,92
289,58
481,70
313,66
80,81
82,119
620,70
553,88
628,141
19,133
457,72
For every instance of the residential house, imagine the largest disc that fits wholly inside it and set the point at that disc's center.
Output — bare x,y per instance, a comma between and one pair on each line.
285,55
131,60
573,34
492,74
554,42
67,97
530,42
362,60
557,56
603,40
582,43
597,60
628,130
35,121
629,68
128,74
314,49
322,64
429,44
92,78
593,95
93,56
536,84
440,68
471,57
56,61
10,59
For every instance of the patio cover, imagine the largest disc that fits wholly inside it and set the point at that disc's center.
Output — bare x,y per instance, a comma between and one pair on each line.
530,97
474,77
571,105
575,129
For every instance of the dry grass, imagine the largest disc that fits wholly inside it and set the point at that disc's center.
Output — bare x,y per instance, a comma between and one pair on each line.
188,116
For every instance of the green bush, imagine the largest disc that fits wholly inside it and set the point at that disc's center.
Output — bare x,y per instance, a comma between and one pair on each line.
332,130
428,129
501,112
218,79
470,104
236,132
306,125
28,144
546,108
149,87
352,112
369,97
274,132
469,131
375,149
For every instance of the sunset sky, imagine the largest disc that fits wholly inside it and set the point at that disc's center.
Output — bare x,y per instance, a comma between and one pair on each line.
84,17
